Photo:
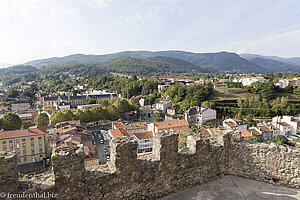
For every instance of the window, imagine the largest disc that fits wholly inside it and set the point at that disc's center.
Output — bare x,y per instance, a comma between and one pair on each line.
11,147
18,146
18,153
32,144
41,150
25,159
40,138
4,148
4,142
10,141
24,145
17,140
31,139
41,157
24,152
23,140
33,159
40,143
32,151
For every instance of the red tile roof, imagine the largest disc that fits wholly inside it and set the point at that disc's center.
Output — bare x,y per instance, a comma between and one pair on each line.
118,133
171,124
118,124
32,131
164,102
144,135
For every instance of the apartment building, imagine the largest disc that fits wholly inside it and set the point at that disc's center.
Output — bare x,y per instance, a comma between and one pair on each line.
30,144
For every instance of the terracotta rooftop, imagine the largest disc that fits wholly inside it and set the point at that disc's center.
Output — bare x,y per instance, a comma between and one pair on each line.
144,135
32,131
164,102
249,132
283,124
118,133
171,124
231,124
137,125
118,124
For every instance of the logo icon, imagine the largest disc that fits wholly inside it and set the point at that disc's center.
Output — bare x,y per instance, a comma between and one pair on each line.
2,194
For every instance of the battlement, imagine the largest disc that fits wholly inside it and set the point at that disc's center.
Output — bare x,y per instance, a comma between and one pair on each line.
167,170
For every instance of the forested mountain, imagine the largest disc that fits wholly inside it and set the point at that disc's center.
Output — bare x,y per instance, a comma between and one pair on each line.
222,61
293,60
155,65
159,62
275,66
274,63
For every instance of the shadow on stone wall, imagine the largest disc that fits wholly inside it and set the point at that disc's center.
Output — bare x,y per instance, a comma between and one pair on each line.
167,170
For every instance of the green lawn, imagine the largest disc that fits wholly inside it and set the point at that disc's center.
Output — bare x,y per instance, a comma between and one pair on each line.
229,96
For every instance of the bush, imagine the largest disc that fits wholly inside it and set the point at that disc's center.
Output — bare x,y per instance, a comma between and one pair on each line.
281,139
252,139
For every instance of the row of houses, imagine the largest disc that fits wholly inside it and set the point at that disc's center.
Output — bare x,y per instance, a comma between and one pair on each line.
286,82
144,132
66,102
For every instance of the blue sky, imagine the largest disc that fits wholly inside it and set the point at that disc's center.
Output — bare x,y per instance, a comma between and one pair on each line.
34,29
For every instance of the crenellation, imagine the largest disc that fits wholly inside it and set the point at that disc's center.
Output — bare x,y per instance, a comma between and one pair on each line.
9,178
123,154
166,170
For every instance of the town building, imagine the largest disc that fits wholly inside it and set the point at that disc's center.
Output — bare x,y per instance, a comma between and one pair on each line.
199,115
30,144
287,125
145,141
20,105
145,107
163,106
91,158
234,124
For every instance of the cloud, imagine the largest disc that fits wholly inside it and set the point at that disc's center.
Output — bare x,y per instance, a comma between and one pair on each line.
98,3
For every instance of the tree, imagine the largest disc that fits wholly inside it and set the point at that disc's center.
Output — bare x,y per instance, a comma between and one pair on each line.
27,124
59,116
42,119
240,116
92,101
252,139
281,139
11,121
249,120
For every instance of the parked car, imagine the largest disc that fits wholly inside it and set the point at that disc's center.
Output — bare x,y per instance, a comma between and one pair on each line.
107,158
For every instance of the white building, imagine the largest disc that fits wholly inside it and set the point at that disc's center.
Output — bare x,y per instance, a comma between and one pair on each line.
163,106
248,81
287,125
198,116
234,124
145,107
145,141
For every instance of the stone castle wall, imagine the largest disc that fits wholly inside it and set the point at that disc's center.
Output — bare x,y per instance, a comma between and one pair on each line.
167,170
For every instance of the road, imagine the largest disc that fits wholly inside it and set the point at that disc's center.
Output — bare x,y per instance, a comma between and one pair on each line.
100,147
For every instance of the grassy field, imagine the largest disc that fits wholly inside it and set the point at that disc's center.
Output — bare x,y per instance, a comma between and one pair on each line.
219,96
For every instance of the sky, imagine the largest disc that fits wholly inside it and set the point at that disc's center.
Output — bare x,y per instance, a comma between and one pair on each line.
36,29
